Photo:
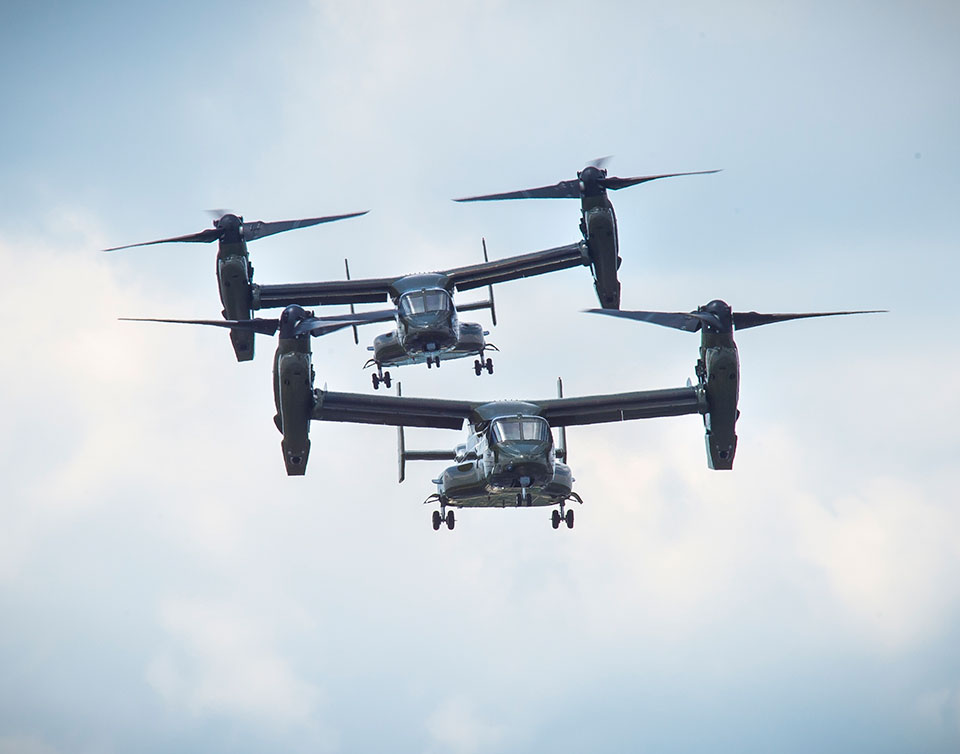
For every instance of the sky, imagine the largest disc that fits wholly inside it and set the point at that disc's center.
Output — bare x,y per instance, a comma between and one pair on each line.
165,586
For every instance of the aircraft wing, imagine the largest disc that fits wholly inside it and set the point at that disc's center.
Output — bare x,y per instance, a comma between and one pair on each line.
523,266
644,404
370,290
391,410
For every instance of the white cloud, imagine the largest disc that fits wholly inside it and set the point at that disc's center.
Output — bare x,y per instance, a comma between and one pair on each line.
455,727
225,661
140,461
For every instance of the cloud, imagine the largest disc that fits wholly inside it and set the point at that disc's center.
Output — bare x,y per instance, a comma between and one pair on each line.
224,661
454,726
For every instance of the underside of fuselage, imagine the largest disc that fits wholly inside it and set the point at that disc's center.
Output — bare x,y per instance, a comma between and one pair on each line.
390,351
467,486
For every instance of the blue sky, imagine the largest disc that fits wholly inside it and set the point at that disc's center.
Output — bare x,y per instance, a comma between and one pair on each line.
164,585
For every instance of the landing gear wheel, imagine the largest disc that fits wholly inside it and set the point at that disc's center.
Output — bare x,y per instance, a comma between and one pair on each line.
376,381
386,379
555,519
450,520
489,366
429,362
438,519
569,518
477,367
436,361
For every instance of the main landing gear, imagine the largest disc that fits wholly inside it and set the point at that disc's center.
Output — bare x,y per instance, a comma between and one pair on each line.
558,516
383,377
479,366
439,519
433,361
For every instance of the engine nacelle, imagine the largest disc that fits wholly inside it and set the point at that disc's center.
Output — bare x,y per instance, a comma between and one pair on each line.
600,230
293,383
719,371
234,276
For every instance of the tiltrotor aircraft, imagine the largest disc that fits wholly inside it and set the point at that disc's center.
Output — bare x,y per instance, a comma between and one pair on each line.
718,368
234,270
428,329
509,458
598,222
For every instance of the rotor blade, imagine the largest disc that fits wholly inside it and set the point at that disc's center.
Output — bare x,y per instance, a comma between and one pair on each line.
204,236
743,320
601,161
562,190
322,325
619,183
678,320
316,329
259,229
262,326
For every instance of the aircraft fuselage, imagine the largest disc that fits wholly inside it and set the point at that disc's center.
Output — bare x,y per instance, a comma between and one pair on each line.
511,462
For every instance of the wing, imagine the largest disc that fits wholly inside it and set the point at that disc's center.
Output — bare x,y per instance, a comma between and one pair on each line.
392,410
644,404
523,266
368,291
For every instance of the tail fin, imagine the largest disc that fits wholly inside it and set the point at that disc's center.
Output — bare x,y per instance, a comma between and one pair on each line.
489,303
562,445
403,455
493,308
356,335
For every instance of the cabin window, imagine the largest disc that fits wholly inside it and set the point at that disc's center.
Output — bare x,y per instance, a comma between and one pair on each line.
520,430
425,302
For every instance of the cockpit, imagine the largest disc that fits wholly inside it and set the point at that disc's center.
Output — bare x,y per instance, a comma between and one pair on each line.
529,429
425,302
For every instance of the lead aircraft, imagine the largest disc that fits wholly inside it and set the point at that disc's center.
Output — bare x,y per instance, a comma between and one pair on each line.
509,458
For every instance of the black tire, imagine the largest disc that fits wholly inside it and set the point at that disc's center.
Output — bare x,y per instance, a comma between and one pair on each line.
386,379
437,520
429,362
489,366
477,367
376,381
436,361
569,518
450,520
555,519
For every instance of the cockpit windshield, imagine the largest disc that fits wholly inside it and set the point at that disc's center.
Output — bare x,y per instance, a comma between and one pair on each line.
425,302
521,429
